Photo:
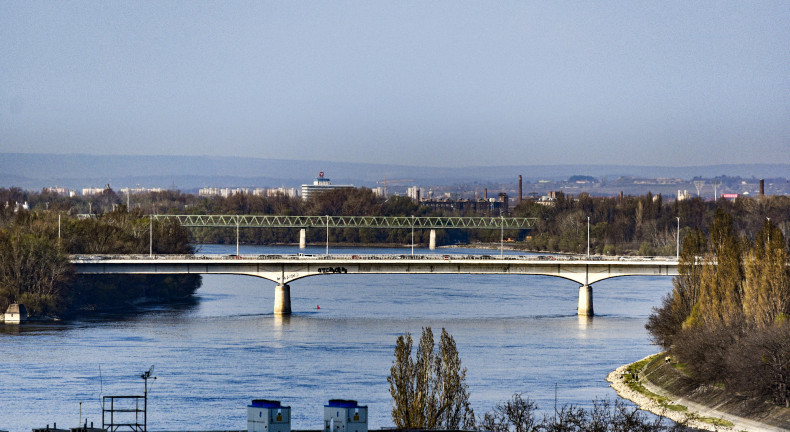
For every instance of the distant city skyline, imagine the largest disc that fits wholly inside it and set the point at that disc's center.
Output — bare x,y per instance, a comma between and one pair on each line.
443,84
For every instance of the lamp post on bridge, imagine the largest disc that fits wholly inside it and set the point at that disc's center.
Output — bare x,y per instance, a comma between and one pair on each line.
412,234
588,237
501,235
677,247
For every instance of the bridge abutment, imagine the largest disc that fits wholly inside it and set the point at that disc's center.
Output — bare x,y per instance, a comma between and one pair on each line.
282,299
432,241
302,238
585,307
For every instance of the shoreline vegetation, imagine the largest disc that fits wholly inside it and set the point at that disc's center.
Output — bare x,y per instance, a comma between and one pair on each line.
658,385
644,225
35,270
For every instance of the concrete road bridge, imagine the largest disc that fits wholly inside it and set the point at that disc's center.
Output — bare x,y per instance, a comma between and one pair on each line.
284,269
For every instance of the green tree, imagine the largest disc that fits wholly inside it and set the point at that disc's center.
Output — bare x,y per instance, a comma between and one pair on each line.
721,288
429,391
766,290
666,321
33,271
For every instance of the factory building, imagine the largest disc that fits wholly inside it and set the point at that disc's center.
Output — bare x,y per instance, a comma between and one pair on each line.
486,207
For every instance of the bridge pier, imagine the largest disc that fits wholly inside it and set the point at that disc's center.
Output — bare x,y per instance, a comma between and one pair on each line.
302,238
585,307
432,242
282,299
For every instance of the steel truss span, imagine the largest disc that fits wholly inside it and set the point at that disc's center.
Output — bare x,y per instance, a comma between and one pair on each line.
384,222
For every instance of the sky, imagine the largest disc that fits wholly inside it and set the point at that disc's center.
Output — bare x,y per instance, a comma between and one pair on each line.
423,83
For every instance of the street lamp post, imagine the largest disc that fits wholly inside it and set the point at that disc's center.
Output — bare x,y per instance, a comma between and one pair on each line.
412,234
588,237
151,235
677,246
502,235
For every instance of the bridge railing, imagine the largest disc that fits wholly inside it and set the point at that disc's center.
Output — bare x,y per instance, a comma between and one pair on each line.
362,257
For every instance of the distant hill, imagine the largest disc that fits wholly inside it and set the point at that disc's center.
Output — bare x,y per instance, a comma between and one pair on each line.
34,171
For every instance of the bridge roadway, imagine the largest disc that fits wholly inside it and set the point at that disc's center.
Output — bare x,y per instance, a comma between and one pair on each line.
284,269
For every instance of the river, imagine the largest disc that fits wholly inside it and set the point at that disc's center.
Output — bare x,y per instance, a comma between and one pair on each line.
215,354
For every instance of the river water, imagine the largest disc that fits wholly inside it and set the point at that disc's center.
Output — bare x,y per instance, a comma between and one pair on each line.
216,353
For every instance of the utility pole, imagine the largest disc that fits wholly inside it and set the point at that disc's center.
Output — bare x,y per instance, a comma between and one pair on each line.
327,235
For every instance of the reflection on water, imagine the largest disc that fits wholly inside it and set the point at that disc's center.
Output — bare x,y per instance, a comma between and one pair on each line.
514,334
585,323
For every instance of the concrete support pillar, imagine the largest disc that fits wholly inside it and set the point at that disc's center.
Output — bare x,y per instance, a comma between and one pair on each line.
432,242
282,299
302,238
585,301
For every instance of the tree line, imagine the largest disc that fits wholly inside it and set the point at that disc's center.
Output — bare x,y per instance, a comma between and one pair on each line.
727,319
643,225
35,269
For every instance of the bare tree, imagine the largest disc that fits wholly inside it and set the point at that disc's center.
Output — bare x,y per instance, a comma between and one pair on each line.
515,415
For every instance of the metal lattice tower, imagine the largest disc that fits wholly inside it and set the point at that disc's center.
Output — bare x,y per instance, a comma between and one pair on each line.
699,184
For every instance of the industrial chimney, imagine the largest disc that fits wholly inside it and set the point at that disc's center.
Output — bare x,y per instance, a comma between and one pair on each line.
520,195
762,187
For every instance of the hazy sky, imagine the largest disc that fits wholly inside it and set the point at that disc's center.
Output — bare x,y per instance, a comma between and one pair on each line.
444,83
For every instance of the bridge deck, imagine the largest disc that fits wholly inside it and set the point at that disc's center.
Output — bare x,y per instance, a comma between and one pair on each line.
286,268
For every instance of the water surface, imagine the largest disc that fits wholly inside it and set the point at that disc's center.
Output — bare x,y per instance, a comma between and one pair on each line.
215,354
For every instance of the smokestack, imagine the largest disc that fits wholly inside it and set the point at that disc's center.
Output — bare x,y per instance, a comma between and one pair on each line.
762,187
520,195
485,193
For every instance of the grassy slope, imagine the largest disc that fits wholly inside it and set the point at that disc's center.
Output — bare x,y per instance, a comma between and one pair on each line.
669,376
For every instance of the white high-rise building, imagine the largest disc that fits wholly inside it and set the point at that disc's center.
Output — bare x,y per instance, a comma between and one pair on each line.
415,193
320,184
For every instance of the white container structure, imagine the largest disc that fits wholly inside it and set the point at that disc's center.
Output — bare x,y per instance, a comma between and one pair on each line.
15,314
268,416
342,415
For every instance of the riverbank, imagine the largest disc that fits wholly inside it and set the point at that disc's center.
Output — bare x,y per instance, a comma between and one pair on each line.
655,385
